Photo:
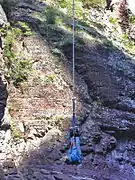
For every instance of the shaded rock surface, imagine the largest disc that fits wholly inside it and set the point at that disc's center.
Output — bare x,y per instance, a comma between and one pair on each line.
4,115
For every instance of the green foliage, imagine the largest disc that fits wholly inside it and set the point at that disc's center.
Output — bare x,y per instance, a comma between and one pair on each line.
19,70
93,3
7,49
52,16
10,36
45,79
25,28
18,67
132,19
113,20
129,45
49,79
66,5
124,37
59,120
16,134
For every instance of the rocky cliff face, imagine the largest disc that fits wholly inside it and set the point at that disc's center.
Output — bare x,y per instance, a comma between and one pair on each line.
4,118
105,99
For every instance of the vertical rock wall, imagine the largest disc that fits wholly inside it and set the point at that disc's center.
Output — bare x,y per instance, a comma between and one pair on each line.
4,120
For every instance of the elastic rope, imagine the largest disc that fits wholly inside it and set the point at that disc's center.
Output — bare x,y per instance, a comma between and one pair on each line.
73,95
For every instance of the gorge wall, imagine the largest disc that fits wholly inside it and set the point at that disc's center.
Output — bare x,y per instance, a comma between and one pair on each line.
41,106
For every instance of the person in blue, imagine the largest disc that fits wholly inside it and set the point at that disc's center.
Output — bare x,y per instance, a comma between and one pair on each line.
74,155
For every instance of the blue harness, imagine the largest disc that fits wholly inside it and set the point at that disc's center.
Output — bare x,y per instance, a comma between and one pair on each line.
74,153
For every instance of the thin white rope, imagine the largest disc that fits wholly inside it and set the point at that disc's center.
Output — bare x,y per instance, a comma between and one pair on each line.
73,49
73,29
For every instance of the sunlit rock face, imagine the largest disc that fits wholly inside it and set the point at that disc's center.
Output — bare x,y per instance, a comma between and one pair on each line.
3,84
131,4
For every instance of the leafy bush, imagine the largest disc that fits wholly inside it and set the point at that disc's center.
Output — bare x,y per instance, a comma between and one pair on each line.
26,30
113,20
18,67
16,134
94,3
51,15
67,5
19,70
48,79
132,19
10,36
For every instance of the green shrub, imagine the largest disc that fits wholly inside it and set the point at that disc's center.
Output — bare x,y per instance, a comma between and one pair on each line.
67,5
94,3
16,134
49,79
10,36
132,19
113,20
20,70
18,67
51,15
26,30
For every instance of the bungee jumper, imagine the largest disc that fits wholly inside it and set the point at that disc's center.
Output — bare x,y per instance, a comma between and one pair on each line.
74,155
74,151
